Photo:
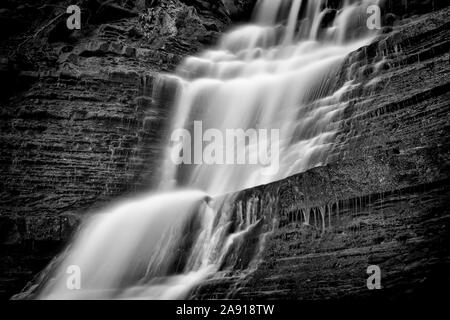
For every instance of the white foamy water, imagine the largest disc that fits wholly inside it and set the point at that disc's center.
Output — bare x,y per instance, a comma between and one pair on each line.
275,74
278,73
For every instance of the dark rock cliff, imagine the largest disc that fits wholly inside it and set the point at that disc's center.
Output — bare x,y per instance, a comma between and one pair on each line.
79,127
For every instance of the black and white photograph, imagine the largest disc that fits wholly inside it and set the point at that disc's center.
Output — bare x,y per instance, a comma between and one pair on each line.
225,158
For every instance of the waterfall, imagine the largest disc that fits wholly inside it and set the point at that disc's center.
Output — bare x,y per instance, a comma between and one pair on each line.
277,76
280,72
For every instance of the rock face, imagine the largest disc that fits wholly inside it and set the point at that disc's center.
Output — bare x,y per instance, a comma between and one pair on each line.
79,127
382,200
322,253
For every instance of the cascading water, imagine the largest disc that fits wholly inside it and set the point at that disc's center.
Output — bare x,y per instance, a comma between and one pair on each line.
277,73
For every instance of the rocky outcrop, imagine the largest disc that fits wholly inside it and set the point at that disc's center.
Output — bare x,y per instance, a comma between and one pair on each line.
383,197
322,253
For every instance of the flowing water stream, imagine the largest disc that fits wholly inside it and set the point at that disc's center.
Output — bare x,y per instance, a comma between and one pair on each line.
279,72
